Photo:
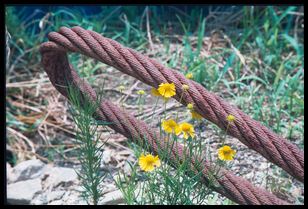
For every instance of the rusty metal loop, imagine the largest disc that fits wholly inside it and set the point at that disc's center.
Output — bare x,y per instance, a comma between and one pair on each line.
61,74
213,108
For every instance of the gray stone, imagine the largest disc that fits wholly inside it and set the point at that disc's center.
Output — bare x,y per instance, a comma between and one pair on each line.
59,176
56,202
106,156
29,169
9,173
73,198
55,195
263,166
79,188
127,169
22,192
40,199
112,198
8,168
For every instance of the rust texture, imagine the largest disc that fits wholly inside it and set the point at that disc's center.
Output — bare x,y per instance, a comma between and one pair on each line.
256,136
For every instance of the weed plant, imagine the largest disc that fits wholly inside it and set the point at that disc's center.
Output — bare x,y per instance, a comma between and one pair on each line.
180,179
88,140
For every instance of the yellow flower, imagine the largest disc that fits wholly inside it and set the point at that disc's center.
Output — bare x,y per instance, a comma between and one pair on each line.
140,92
149,162
155,92
170,126
196,115
230,118
226,153
185,87
121,88
187,129
189,75
190,106
167,90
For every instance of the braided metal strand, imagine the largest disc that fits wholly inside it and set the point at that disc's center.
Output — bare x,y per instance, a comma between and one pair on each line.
61,74
250,132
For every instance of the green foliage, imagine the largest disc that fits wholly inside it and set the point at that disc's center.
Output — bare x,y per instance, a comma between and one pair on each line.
177,181
174,183
274,73
88,141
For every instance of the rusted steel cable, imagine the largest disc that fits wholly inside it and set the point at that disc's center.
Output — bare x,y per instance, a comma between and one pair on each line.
250,132
62,74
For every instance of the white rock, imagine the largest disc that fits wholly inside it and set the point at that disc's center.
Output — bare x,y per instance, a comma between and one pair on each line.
67,198
73,198
127,169
9,173
55,195
249,175
108,186
263,166
29,169
8,168
79,188
56,202
40,199
112,198
59,176
22,192
106,156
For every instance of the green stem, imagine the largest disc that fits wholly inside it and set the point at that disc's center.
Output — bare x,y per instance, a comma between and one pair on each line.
155,108
224,137
291,119
121,103
165,107
139,106
177,113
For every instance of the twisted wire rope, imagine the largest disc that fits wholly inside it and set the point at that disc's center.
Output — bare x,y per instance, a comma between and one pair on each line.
213,108
60,72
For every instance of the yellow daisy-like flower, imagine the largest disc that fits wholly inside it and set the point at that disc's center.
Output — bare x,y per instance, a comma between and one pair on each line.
149,162
230,118
189,75
167,90
155,92
196,115
121,88
170,126
140,92
187,130
226,153
190,106
185,87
